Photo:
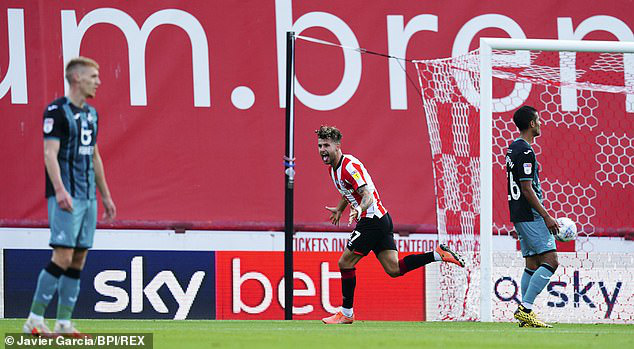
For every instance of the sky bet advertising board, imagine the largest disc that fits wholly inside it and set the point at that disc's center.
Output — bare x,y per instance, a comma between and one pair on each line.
225,284
121,284
210,285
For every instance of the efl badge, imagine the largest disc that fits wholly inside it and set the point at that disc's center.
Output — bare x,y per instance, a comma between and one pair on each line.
356,175
48,125
528,168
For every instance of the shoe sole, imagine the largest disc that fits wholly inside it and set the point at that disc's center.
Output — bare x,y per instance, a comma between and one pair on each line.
531,322
453,254
336,323
36,333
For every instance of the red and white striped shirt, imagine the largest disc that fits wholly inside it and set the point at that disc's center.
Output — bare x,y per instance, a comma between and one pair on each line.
348,177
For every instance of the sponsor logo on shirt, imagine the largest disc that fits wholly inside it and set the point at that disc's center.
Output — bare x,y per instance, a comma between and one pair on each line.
86,150
509,162
48,125
528,168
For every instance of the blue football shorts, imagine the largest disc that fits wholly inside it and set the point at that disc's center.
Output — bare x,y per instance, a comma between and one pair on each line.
72,229
535,238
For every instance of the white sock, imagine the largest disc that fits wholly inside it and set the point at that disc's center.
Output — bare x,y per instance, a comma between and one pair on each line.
528,306
347,312
35,317
64,323
437,256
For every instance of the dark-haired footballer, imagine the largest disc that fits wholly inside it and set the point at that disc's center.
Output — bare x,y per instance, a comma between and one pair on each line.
535,227
373,230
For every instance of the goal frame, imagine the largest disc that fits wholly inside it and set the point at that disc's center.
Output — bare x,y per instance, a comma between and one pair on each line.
487,45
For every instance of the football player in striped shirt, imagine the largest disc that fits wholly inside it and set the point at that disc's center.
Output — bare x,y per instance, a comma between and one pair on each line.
373,230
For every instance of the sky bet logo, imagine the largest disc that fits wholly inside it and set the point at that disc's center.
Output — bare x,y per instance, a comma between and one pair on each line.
139,292
581,292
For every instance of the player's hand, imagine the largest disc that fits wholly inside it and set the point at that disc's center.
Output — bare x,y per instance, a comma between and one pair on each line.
110,209
552,225
64,200
335,215
355,214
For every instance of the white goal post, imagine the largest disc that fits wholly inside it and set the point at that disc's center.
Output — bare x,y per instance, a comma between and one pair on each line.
487,45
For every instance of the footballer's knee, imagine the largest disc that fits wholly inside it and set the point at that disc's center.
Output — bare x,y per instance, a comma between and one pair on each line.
553,264
62,260
392,269
394,273
551,260
79,259
348,260
345,264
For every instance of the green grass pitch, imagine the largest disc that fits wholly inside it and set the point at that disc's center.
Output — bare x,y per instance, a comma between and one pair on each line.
361,334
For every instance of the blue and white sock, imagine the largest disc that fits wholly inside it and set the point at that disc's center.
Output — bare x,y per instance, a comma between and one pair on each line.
68,289
45,290
526,279
538,282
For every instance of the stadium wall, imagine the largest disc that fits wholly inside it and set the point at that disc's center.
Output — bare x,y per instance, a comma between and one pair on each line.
191,118
239,275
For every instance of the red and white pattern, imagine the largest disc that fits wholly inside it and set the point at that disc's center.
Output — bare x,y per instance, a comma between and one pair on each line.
348,177
585,151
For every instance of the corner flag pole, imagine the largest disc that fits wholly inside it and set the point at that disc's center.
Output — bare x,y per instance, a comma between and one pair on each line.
289,172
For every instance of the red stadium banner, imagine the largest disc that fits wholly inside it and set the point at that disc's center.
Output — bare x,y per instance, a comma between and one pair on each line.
249,286
191,121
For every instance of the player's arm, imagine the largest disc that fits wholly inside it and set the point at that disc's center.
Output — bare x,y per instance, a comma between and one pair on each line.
366,201
531,197
102,185
51,149
336,212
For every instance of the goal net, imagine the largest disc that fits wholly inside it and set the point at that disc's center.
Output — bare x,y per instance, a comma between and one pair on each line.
586,158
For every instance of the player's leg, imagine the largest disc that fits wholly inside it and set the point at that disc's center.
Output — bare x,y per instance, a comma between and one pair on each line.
69,282
390,262
415,261
60,222
394,267
548,263
68,290
47,282
535,242
362,239
531,265
385,247
387,254
347,261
